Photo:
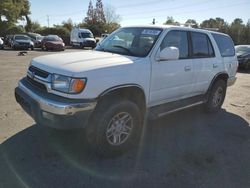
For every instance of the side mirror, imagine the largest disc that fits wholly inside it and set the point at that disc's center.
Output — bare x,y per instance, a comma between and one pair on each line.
169,53
79,36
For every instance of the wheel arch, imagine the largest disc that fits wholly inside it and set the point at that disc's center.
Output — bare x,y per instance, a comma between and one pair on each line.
133,92
220,76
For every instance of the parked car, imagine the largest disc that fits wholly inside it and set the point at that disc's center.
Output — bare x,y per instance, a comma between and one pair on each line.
36,38
52,42
82,38
7,40
243,55
21,42
1,43
136,71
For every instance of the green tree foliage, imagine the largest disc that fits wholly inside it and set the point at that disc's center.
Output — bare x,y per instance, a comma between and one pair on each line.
100,21
56,30
68,24
239,31
112,19
171,21
11,11
191,23
95,19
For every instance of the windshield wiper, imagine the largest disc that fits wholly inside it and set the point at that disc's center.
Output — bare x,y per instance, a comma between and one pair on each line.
124,48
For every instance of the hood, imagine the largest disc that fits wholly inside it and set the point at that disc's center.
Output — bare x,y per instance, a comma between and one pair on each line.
89,39
242,54
73,63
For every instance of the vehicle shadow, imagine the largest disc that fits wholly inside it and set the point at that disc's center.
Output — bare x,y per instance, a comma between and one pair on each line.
185,149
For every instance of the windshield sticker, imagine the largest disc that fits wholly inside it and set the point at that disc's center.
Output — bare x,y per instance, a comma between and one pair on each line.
150,32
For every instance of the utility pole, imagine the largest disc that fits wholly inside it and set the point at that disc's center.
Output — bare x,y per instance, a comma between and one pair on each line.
48,20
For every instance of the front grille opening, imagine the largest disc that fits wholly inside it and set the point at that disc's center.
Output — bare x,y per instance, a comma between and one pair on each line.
37,84
39,72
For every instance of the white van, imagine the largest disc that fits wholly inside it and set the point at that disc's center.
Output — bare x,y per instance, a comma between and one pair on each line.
82,38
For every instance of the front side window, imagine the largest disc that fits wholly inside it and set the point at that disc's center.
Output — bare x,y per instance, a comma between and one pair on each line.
201,44
132,41
225,44
176,39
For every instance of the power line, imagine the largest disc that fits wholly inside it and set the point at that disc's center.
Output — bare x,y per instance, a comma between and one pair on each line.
188,12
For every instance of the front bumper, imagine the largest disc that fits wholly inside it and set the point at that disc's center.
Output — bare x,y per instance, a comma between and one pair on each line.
51,110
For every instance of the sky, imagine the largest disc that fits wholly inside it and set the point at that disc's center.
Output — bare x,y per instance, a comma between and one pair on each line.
141,11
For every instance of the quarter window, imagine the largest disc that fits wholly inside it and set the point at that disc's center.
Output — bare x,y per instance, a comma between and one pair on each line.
201,44
177,39
225,44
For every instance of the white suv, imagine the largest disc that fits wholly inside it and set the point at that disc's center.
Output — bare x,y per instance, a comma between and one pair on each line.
135,71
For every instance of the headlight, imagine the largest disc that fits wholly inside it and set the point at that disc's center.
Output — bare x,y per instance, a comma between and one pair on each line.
31,43
67,84
63,44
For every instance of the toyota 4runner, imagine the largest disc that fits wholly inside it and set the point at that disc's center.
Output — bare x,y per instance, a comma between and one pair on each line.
153,70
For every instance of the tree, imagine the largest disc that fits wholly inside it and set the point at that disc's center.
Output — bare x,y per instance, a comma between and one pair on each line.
35,26
99,12
11,11
68,24
95,19
170,21
90,18
236,30
191,23
112,19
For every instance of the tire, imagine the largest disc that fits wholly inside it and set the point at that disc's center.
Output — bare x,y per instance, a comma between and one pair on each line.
216,96
32,48
115,127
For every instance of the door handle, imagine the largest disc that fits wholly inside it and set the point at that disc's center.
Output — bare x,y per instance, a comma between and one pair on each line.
187,68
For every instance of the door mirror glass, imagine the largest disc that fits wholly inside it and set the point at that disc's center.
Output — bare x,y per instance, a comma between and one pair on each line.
169,53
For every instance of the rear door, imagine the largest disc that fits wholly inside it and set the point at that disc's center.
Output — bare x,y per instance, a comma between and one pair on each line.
205,63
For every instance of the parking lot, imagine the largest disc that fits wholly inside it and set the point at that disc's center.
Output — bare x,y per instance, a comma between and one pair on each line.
186,149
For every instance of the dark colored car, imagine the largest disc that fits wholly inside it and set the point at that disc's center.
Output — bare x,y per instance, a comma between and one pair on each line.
243,55
7,40
52,42
36,38
21,42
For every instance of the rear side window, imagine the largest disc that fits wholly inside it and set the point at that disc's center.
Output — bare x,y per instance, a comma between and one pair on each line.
225,44
201,44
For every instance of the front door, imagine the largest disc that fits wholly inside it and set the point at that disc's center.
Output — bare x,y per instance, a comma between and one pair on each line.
172,79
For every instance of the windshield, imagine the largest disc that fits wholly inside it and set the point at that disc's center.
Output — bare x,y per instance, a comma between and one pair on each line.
87,35
22,38
52,39
244,49
134,41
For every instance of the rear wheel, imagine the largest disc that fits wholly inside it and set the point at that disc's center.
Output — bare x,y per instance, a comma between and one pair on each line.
115,127
216,97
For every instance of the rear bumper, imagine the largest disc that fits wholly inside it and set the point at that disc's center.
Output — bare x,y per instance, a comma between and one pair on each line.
231,81
52,110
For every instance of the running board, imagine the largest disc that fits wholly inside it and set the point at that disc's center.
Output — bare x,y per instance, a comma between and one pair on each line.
168,108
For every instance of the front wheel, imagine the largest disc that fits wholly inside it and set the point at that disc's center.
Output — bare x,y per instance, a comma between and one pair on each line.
216,96
115,128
